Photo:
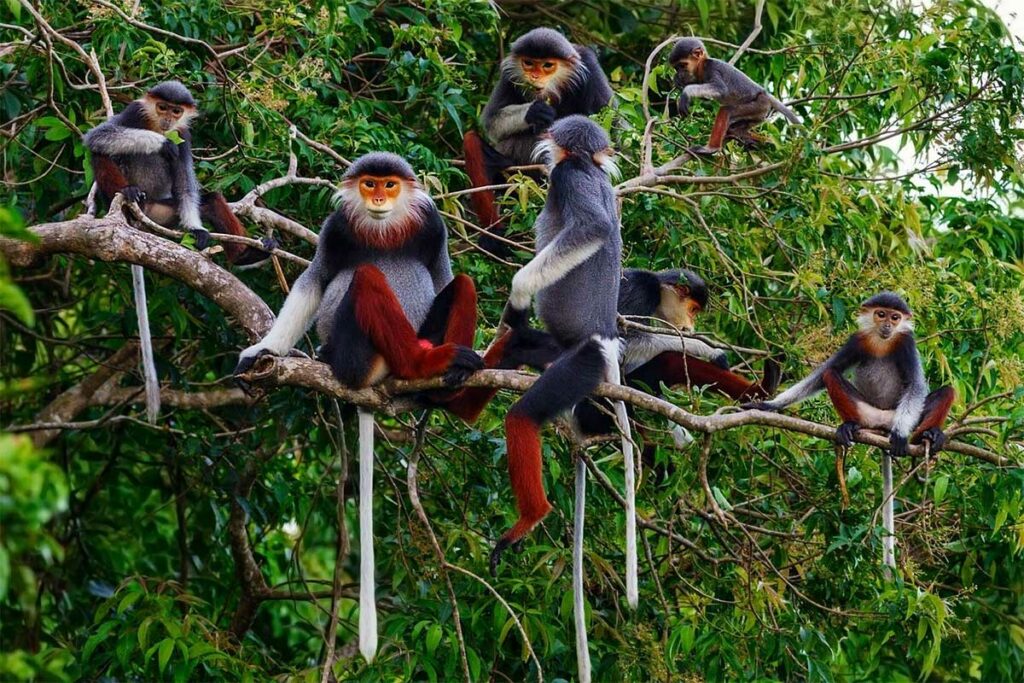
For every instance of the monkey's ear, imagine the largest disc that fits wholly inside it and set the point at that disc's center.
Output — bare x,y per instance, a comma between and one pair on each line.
697,52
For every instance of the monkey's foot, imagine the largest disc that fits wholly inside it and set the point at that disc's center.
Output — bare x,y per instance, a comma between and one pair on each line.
721,360
463,365
772,377
937,438
897,445
704,151
500,547
246,363
269,243
844,434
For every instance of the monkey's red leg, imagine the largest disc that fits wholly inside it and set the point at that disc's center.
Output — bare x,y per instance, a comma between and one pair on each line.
476,168
677,369
936,409
379,314
214,209
108,175
845,397
567,382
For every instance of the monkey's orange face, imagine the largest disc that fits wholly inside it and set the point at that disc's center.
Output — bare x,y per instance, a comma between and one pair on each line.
546,72
886,321
167,116
677,308
380,194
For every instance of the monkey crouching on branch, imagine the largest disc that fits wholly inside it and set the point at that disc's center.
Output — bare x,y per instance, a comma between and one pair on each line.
544,78
133,155
382,289
743,103
888,391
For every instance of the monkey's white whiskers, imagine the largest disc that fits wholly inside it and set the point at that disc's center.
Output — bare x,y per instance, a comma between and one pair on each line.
367,585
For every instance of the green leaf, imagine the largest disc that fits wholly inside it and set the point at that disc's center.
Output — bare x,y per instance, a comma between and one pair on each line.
939,493
434,634
164,653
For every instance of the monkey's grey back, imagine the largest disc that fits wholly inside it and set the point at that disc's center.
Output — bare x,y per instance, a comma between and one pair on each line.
409,279
740,88
570,309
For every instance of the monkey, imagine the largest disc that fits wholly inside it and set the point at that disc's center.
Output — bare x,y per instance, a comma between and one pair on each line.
575,278
132,154
674,296
889,390
544,78
381,288
742,103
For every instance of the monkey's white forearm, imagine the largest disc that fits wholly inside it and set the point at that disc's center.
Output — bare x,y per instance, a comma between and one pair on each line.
806,388
641,348
188,212
508,121
295,318
908,410
111,139
702,90
547,268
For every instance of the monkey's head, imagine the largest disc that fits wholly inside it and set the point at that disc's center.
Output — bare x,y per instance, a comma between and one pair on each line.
168,106
544,61
684,294
382,199
687,57
576,137
884,317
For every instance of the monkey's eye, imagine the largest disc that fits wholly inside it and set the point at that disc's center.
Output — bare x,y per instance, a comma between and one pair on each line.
895,317
177,111
880,314
549,65
390,184
528,63
161,106
369,184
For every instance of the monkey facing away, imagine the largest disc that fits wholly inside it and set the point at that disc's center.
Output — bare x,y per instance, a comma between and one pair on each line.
132,155
382,290
742,103
888,391
544,78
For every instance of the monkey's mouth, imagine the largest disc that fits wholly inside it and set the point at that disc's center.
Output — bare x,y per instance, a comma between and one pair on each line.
885,334
379,214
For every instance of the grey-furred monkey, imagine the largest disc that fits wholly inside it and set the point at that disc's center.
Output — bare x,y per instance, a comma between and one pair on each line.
743,103
888,391
382,288
132,155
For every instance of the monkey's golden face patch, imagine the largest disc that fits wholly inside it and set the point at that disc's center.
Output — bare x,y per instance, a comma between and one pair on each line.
380,194
166,116
677,308
544,73
882,327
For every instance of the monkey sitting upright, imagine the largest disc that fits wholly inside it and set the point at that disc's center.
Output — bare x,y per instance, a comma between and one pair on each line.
544,78
742,103
132,155
888,391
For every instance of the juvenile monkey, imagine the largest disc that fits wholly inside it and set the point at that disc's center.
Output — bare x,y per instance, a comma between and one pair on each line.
132,155
888,391
742,103
544,78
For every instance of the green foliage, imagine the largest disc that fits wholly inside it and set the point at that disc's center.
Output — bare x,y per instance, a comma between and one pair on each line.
118,559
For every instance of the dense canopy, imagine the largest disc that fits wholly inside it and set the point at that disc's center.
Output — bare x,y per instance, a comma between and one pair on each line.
215,544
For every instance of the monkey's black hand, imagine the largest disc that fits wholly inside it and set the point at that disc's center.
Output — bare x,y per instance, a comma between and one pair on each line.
201,236
463,365
683,106
269,244
721,360
515,318
766,406
897,445
844,434
540,116
133,193
937,437
245,363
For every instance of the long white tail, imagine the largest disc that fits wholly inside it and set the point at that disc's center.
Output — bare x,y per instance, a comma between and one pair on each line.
146,342
578,609
889,539
367,581
611,353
